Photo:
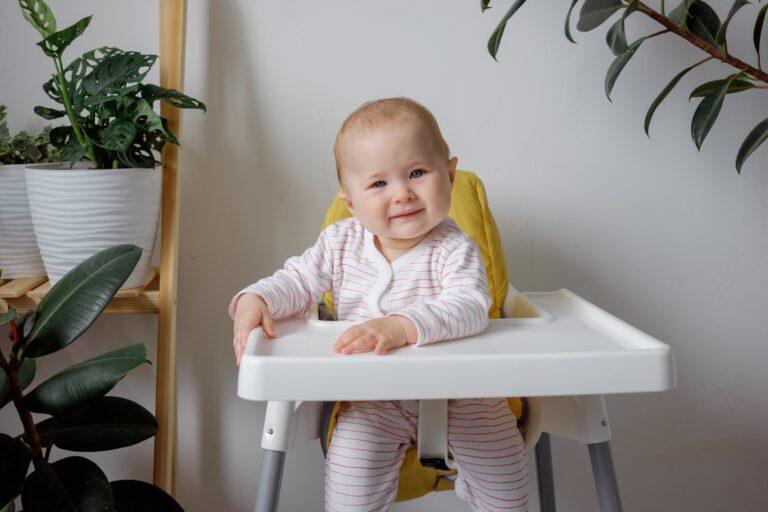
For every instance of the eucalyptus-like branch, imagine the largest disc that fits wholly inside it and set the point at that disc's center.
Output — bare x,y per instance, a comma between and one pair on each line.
716,52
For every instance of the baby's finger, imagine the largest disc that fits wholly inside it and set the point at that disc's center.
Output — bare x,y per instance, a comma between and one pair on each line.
268,324
347,337
364,343
383,346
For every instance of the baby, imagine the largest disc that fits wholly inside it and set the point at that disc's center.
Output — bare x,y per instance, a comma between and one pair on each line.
410,276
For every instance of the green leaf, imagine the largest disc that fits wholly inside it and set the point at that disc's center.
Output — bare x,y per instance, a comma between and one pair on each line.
118,136
74,74
55,44
72,152
84,382
485,5
136,496
87,488
671,85
60,135
568,22
153,92
720,36
618,65
9,315
737,85
756,137
758,31
26,374
703,22
706,113
107,423
39,15
71,306
117,71
5,135
679,15
144,116
139,155
616,37
495,41
49,113
14,463
595,12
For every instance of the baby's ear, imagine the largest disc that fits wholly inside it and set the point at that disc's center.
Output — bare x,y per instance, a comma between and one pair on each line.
344,197
452,163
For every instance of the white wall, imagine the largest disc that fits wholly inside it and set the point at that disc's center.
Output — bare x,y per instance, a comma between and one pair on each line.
669,239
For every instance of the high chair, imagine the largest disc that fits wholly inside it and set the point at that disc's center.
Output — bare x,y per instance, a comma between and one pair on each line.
554,348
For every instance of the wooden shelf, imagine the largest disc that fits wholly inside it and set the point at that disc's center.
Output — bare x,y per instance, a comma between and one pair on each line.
25,293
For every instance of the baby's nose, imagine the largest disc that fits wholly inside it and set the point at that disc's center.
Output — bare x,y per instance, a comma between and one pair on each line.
404,194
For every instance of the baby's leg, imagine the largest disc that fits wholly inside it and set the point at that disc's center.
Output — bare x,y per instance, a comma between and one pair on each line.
489,453
365,455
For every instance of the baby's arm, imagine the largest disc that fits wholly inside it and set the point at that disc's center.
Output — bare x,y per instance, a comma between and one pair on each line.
288,292
461,309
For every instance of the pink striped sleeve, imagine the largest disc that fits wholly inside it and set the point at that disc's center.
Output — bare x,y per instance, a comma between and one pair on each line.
461,308
300,283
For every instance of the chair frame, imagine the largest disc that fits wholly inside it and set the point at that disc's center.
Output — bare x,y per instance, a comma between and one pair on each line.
583,419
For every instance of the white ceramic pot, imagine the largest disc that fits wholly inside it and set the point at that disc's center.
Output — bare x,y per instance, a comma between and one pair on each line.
19,256
79,212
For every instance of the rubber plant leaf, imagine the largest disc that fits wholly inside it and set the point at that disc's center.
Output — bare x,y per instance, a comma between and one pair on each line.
73,303
84,382
85,487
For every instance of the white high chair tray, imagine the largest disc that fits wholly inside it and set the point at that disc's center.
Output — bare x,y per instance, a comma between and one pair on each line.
573,348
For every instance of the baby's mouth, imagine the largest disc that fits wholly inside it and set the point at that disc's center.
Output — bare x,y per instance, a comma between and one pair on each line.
407,215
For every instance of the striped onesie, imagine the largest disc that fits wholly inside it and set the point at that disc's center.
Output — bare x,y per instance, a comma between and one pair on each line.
440,284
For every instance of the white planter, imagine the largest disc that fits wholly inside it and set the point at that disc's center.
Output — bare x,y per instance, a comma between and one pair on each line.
19,256
77,213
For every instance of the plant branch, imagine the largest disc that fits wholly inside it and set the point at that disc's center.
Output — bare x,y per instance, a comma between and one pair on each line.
71,113
716,52
32,437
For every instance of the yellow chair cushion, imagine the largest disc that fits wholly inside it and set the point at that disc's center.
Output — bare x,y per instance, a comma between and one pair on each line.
469,208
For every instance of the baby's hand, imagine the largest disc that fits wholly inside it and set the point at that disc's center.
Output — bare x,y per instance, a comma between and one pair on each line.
378,335
251,312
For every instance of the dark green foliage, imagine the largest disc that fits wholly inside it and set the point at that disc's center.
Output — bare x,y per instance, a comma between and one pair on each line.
81,417
24,148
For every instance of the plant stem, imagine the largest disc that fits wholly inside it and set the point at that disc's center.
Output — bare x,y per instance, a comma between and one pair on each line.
30,431
70,113
716,52
32,437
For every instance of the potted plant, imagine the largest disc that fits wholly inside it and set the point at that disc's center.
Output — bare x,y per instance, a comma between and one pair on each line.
81,417
108,192
19,256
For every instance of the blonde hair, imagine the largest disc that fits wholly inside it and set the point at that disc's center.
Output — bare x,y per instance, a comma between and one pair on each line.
374,114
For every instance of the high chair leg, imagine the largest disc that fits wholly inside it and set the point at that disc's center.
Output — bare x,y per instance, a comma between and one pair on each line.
544,477
270,477
274,443
605,477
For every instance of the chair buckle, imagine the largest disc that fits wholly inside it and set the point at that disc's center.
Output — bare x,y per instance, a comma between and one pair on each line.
434,463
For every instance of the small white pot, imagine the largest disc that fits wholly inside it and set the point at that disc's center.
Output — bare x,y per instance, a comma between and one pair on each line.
79,212
19,256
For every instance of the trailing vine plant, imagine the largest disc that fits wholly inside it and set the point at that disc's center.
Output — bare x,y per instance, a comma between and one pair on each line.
696,22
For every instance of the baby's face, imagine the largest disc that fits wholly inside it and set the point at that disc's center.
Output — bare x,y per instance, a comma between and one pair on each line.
395,181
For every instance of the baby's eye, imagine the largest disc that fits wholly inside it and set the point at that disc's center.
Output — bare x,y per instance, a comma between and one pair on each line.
379,184
417,173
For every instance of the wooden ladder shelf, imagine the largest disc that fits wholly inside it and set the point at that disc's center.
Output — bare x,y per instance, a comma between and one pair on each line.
158,294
